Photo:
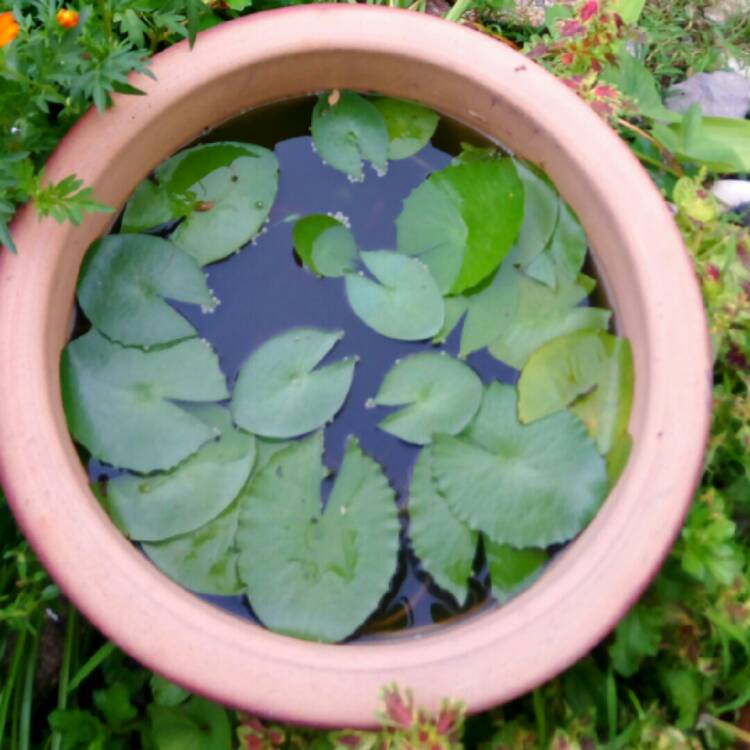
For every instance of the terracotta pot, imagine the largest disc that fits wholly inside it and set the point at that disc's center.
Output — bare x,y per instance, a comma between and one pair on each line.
487,659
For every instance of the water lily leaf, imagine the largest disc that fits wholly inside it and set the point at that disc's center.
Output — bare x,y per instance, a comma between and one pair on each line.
488,196
197,724
306,231
160,506
540,212
205,560
280,394
405,305
445,545
617,458
118,401
591,370
542,314
346,130
318,575
440,394
334,252
511,569
431,227
455,309
565,253
523,485
410,126
222,191
124,281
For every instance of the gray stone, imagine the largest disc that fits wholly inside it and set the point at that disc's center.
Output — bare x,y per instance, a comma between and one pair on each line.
725,10
722,94
732,193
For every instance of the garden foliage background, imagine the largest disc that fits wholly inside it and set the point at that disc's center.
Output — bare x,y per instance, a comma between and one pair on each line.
676,672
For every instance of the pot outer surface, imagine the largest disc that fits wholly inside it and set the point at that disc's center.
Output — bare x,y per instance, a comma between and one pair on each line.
484,660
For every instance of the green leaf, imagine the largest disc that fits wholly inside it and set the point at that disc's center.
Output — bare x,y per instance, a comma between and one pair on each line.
334,252
637,636
325,245
439,395
78,729
487,195
591,370
160,506
445,545
527,486
118,401
540,211
684,690
635,80
306,231
166,693
542,314
124,280
113,703
224,191
205,560
405,305
410,126
195,725
280,394
617,457
565,253
455,308
349,131
317,575
629,10
511,569
430,227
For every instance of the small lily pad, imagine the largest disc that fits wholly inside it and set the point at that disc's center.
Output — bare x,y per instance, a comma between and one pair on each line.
334,252
405,305
280,394
205,560
591,371
223,192
160,506
347,129
445,545
455,309
317,575
488,196
306,231
124,281
511,569
410,125
118,401
440,394
523,485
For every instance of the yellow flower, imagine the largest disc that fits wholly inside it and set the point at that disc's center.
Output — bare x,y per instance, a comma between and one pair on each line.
8,28
67,18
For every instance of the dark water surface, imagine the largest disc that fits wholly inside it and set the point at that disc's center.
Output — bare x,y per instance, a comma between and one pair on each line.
263,291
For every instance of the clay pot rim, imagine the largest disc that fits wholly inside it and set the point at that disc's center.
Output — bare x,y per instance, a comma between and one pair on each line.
486,660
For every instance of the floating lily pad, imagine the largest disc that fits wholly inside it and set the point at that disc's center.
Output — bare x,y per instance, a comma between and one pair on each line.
334,252
321,237
445,545
222,191
346,130
455,309
590,370
160,506
280,394
542,314
317,575
565,253
439,395
405,305
523,485
488,197
511,569
118,401
617,457
205,560
431,227
123,284
410,126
